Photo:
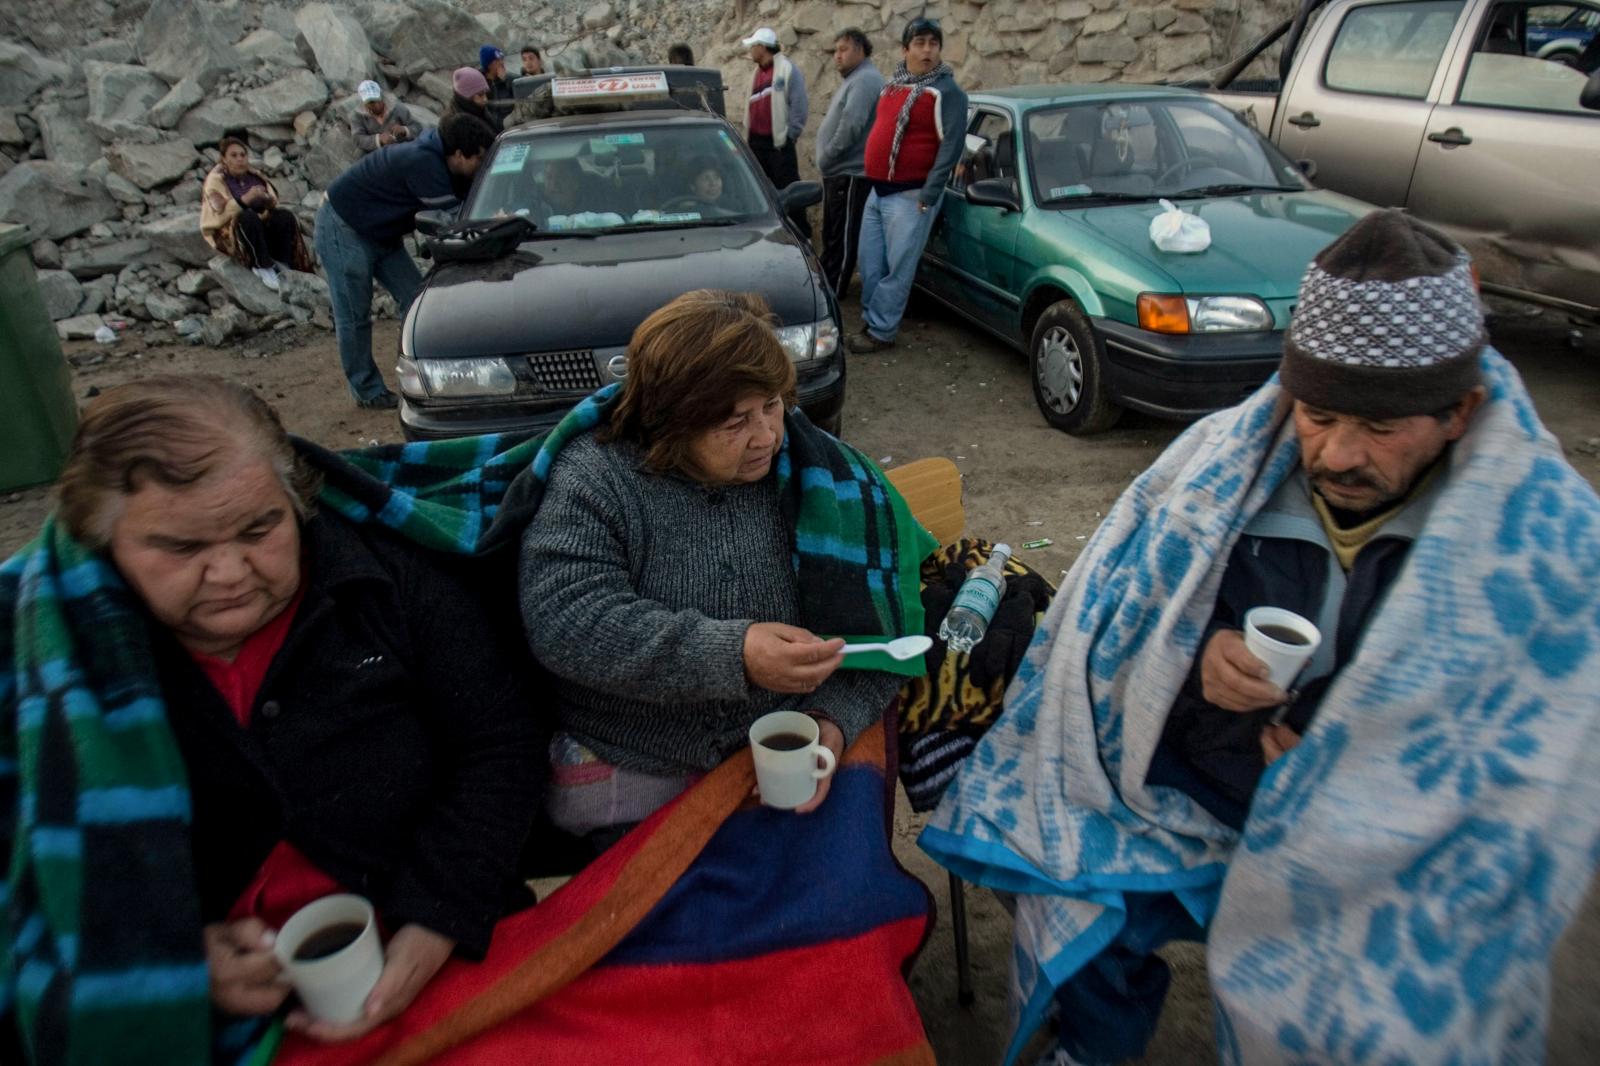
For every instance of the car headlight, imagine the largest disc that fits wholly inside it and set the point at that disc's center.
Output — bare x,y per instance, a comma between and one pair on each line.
1208,314
1162,313
814,340
463,377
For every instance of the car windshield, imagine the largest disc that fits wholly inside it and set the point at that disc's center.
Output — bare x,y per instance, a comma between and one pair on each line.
1147,149
608,179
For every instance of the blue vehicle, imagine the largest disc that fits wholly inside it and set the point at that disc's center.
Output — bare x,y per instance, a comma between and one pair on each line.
1560,32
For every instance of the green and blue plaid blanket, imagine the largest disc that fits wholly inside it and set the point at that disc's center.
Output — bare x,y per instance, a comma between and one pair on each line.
100,954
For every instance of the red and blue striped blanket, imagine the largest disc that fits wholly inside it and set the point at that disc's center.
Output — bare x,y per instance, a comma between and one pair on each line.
718,931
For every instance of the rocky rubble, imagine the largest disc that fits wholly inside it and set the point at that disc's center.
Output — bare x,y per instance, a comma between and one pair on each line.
110,109
104,144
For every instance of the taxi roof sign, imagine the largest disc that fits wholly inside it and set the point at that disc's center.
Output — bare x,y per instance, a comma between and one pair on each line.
616,88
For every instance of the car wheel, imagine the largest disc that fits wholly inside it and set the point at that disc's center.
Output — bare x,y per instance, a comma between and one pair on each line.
833,425
1068,367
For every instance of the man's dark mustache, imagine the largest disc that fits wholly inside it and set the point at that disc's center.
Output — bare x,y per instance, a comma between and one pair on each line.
1349,479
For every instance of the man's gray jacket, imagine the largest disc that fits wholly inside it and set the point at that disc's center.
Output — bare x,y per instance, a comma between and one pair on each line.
842,140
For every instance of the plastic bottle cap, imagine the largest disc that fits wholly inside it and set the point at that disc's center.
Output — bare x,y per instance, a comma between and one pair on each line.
998,548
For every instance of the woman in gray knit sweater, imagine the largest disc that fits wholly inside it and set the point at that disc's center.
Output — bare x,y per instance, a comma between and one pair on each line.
657,582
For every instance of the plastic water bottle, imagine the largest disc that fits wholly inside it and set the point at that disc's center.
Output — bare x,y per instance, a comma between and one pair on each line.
968,618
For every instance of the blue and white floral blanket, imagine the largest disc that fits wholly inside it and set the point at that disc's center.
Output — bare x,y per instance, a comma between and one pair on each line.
1405,871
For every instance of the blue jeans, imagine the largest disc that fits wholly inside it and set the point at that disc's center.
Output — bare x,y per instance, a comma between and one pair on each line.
352,262
893,231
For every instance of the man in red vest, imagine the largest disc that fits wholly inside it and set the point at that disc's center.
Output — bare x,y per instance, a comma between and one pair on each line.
911,151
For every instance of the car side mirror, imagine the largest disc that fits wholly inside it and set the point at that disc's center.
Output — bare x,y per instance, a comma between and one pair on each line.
1308,167
433,223
798,195
1590,96
994,192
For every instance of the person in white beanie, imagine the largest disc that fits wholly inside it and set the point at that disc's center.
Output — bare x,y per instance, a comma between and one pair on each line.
377,121
776,114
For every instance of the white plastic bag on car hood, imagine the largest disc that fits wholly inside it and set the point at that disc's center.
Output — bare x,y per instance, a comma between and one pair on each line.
1174,230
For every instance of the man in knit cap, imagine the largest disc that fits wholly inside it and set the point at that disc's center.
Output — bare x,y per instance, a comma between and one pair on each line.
1380,847
1381,363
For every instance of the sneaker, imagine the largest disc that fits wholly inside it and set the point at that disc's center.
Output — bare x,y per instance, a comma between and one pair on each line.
268,276
384,401
864,342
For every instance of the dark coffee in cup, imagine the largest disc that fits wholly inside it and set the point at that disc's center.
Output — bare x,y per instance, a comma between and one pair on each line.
785,741
328,941
1283,634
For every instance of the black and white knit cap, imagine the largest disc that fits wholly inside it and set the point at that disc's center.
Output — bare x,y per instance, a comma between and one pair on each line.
1388,322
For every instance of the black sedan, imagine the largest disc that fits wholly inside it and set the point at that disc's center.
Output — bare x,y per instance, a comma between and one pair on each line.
629,209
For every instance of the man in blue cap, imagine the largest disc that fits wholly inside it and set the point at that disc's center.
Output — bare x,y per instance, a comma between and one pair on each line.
492,62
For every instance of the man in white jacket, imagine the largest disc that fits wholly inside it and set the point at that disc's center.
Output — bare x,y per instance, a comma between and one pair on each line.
776,114
841,148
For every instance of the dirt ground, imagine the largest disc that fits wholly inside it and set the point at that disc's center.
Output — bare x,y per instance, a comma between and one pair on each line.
946,390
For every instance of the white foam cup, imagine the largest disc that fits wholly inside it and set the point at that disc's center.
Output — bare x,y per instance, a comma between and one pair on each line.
788,778
333,988
1284,661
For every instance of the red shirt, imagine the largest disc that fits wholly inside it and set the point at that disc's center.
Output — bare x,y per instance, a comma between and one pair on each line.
287,879
918,148
240,680
758,116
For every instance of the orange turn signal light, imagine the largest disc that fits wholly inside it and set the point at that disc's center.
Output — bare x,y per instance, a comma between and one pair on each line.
1160,313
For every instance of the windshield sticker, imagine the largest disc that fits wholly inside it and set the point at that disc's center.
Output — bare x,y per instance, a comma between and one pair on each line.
509,160
600,147
1061,192
624,138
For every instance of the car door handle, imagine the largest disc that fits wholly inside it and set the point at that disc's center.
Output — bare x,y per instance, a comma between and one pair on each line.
1305,120
1451,136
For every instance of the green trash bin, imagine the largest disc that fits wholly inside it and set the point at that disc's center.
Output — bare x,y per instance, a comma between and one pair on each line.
37,413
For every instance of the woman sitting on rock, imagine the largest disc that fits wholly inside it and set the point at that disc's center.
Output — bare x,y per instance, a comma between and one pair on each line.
240,217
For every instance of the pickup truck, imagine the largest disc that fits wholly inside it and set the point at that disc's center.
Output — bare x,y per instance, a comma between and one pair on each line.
1460,112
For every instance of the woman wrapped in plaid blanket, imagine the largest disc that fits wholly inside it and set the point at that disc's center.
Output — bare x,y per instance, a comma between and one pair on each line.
319,723
657,580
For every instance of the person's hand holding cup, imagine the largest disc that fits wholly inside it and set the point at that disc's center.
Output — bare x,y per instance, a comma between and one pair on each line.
1252,669
331,953
791,758
1282,640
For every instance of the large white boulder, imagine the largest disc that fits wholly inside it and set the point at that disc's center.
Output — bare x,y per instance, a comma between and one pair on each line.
337,42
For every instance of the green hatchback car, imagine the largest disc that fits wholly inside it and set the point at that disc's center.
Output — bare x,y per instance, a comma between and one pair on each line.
1044,241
